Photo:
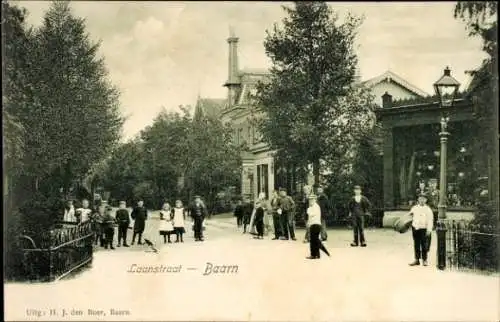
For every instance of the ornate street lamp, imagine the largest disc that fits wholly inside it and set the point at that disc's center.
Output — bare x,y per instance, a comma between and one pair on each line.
446,88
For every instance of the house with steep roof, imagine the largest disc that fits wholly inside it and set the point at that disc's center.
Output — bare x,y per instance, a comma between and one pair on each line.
210,107
259,171
394,85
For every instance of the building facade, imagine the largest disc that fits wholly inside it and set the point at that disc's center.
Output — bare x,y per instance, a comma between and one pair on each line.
260,173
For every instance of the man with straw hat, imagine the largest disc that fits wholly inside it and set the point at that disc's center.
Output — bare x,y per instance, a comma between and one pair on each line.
422,225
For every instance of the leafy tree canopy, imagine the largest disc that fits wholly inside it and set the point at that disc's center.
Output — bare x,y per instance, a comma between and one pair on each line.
66,100
313,108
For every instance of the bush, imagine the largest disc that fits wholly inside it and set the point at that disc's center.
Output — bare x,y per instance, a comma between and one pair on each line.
35,217
13,255
40,213
484,246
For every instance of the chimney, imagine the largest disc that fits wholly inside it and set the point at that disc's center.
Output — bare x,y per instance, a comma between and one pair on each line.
386,100
232,78
357,75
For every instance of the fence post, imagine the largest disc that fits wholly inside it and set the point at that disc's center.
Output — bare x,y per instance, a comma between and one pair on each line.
441,240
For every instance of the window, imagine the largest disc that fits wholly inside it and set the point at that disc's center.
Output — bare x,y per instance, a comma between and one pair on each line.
257,137
248,137
240,135
417,162
263,179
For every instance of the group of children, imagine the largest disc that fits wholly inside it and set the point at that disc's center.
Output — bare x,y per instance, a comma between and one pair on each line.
172,222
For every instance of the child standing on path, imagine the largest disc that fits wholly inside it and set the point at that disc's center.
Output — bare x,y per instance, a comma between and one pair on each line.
422,225
123,219
178,216
166,228
108,222
97,223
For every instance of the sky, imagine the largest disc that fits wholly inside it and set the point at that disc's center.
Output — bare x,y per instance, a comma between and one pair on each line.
164,54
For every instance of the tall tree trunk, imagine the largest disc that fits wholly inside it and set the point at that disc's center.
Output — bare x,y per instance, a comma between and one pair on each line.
402,181
495,177
316,171
92,193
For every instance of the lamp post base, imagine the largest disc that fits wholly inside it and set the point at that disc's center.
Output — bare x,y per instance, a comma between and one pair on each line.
441,244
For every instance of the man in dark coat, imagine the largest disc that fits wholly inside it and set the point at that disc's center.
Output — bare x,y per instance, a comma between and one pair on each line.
198,212
247,214
238,213
286,209
139,215
278,229
324,205
358,206
303,209
123,220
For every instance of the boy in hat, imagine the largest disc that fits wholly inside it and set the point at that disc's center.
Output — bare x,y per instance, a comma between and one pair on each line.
198,212
123,219
359,207
422,225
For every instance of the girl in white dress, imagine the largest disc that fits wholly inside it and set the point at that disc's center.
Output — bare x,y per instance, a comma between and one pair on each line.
179,215
70,219
166,227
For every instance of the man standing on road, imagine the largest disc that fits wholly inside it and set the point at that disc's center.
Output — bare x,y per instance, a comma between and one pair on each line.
238,213
278,229
324,205
247,214
314,224
359,207
305,205
286,207
198,212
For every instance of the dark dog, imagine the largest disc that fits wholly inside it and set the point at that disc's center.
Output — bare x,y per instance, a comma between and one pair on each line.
151,245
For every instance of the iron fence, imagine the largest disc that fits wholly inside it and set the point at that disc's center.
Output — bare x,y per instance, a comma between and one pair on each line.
55,254
471,246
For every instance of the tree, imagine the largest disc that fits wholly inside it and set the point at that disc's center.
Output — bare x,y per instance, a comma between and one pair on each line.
481,19
214,159
73,111
123,171
166,144
314,110
198,151
15,35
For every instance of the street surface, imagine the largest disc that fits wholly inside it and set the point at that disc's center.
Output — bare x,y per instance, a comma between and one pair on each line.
264,280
